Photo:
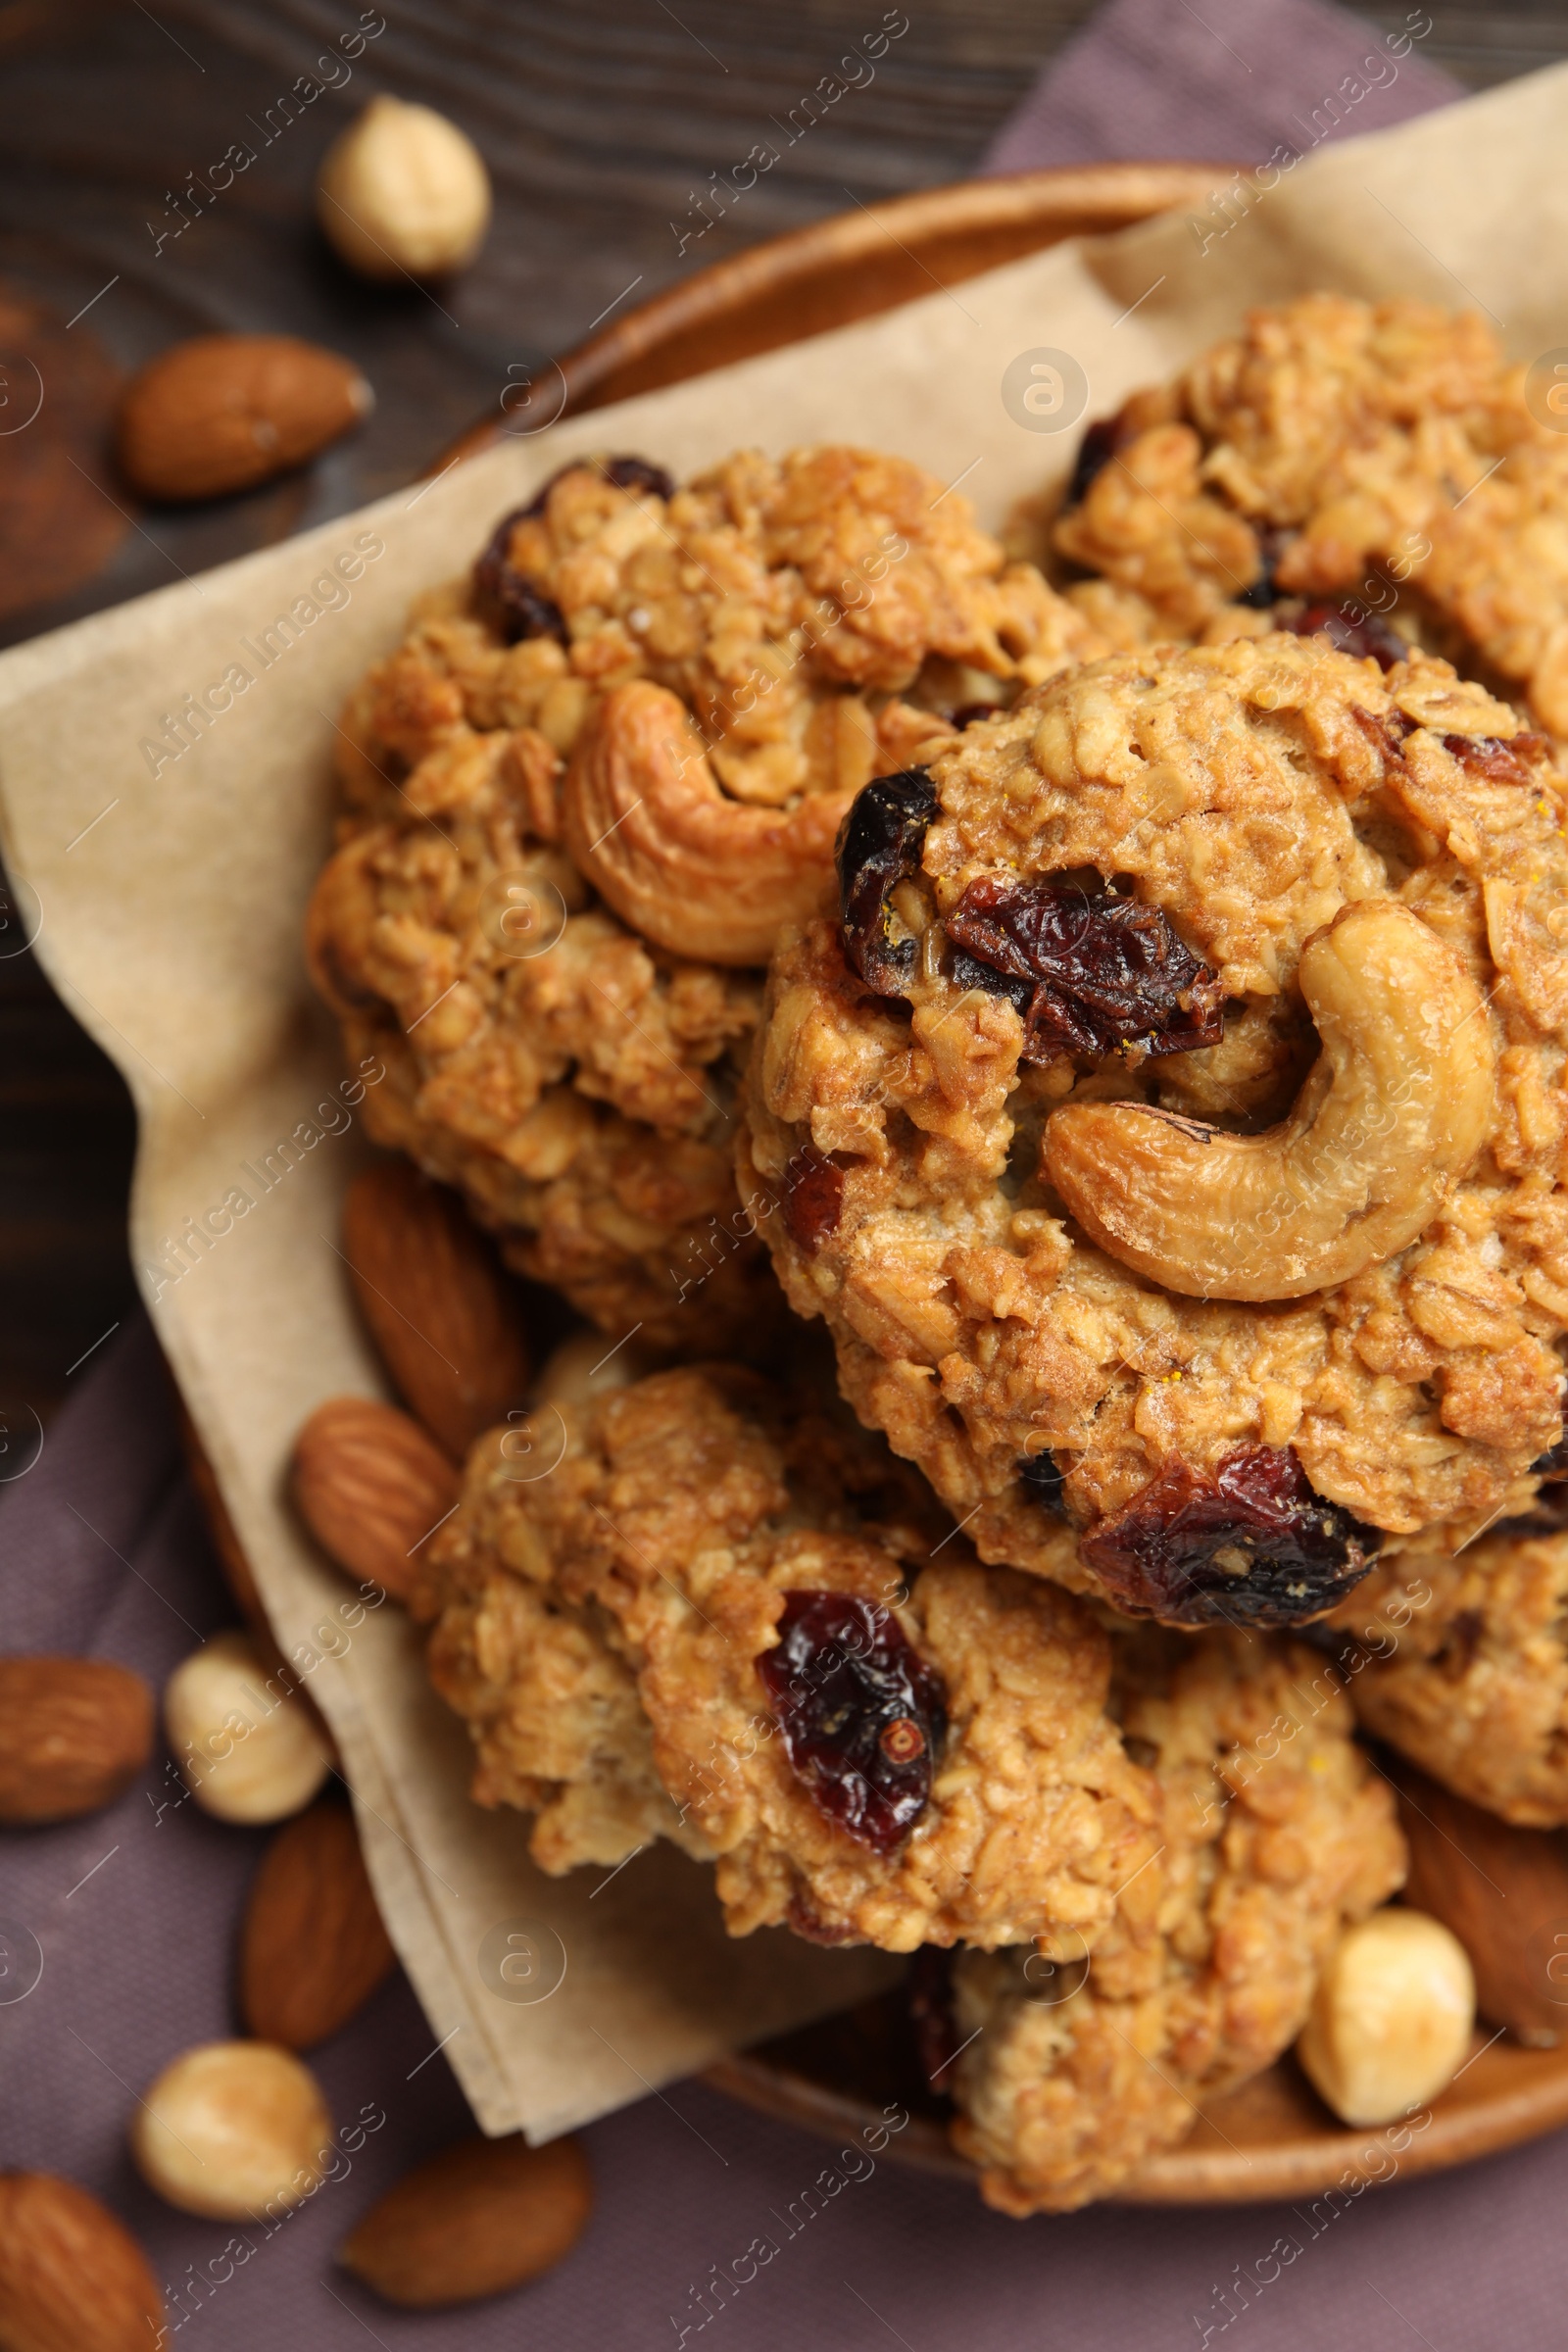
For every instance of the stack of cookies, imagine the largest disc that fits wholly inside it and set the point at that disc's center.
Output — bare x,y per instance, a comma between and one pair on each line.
1108,1001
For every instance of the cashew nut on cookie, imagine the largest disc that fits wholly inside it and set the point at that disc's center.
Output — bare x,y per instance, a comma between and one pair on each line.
1392,1112
691,869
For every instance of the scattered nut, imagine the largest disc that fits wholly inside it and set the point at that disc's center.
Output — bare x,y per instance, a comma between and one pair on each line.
249,1747
223,413
404,193
312,1949
588,1365
439,1308
1394,1109
1392,2017
73,1733
481,2217
1505,1894
72,2278
370,1485
232,2129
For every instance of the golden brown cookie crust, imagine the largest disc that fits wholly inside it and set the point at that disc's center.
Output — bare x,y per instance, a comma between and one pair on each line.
1380,451
1251,792
574,1079
1276,1835
1463,1665
651,1566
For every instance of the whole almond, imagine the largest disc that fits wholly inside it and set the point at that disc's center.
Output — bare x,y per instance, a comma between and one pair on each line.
73,1733
370,1485
72,2278
1503,1892
481,2217
312,1949
439,1308
223,413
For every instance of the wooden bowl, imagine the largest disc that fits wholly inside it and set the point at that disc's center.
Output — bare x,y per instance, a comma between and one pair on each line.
1272,2138
852,266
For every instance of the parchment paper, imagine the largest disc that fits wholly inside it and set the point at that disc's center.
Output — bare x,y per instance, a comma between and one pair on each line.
168,895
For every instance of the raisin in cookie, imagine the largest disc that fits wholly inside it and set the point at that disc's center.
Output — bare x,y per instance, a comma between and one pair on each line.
718,1618
1343,465
1276,1836
576,1077
1172,1134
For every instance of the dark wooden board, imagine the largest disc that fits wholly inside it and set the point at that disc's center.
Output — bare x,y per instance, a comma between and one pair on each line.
599,119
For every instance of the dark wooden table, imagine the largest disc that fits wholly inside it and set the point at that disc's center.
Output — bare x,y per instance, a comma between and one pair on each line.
600,120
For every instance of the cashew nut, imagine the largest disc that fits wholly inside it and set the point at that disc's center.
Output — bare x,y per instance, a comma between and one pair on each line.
1392,2017
691,869
1395,1109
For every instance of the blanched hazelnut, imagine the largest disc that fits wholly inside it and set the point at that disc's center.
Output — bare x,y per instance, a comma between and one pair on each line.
588,1367
1392,2017
249,1749
403,192
232,2129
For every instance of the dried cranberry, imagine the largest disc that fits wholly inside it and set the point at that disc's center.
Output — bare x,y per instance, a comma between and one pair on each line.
1547,1515
522,611
1464,1639
1100,973
1387,736
1249,1543
1349,630
1551,1465
625,473
636,473
861,1714
1498,761
1043,1482
807,1922
814,1195
879,843
929,1987
541,496
1265,589
1096,450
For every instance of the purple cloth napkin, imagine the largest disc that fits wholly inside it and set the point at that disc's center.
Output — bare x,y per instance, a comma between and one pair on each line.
1222,81
134,1912
103,1551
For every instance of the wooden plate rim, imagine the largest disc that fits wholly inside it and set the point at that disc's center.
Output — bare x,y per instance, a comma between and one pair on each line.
1022,210
1520,2095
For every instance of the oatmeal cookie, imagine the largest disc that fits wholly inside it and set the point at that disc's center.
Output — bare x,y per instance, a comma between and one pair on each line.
581,1097
1463,1665
705,1622
1342,463
752,648
576,1077
1276,1836
1172,1135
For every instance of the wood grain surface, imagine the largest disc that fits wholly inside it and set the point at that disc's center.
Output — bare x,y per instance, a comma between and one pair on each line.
601,121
